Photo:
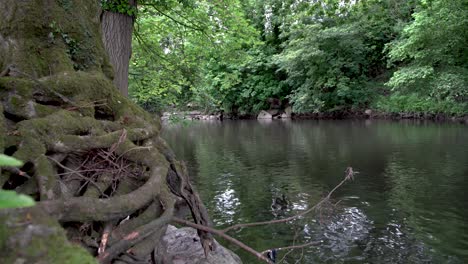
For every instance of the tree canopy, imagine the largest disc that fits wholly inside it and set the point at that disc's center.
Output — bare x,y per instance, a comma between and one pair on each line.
389,55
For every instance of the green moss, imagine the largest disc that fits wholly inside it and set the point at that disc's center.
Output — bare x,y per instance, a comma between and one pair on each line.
33,47
31,235
20,86
47,177
2,130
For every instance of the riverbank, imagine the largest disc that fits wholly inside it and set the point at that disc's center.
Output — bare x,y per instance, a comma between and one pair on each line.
287,114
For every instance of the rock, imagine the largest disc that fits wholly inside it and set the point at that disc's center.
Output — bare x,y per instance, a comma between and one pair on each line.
165,116
368,112
194,113
285,116
273,112
264,115
30,235
288,111
182,246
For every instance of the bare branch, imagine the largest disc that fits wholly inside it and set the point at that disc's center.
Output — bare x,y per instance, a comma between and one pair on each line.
294,217
223,235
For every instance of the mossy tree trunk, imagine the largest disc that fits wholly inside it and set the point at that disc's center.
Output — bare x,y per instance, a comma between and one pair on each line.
92,157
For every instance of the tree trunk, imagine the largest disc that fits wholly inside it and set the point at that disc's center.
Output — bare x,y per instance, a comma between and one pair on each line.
117,37
92,157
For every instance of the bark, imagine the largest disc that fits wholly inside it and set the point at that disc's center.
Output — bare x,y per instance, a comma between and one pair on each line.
117,38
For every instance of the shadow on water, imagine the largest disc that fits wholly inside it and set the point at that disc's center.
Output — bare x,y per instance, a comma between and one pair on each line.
407,204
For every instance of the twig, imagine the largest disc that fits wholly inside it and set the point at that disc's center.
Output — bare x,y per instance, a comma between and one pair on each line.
313,243
302,256
17,171
105,236
294,217
291,250
223,235
261,255
79,174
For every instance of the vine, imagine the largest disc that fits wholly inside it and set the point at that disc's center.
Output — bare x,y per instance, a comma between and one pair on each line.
73,46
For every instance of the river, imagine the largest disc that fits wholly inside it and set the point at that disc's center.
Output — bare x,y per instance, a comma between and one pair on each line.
407,204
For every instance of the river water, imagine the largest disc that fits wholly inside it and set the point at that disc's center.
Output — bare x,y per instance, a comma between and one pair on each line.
407,204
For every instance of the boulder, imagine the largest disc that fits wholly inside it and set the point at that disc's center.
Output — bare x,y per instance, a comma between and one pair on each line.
368,112
182,246
264,115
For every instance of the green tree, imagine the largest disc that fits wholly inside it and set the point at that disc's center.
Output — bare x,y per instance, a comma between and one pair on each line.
433,58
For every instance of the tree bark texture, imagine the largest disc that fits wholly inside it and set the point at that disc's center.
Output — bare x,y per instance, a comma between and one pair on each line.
117,38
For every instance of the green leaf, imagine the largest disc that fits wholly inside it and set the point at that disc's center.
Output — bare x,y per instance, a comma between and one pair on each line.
9,161
11,199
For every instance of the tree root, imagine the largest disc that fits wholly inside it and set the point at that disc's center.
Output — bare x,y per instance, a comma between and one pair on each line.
94,160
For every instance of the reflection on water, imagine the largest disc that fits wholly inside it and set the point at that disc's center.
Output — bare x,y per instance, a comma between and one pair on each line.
407,204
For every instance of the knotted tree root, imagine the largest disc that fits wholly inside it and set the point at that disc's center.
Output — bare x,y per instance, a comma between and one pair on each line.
95,162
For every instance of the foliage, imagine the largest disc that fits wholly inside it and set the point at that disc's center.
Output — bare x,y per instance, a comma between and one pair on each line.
72,44
315,55
175,44
327,66
119,6
9,161
11,199
433,51
415,103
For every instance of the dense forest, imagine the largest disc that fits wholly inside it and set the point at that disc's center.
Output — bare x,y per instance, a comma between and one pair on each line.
392,56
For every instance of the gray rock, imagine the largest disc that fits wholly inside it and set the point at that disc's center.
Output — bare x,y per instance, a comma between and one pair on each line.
264,115
288,111
273,112
182,246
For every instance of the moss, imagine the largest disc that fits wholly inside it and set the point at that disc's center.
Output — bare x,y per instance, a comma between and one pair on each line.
33,236
94,87
32,45
46,176
2,130
22,87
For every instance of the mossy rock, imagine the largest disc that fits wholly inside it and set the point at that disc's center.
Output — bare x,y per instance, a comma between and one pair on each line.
31,236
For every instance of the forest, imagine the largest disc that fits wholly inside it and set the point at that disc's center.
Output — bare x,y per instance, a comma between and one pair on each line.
391,56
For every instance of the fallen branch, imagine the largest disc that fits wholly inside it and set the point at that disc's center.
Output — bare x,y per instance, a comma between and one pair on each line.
349,173
348,176
313,243
223,235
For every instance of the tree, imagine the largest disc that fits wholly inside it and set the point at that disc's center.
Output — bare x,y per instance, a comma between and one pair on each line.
91,156
432,57
117,27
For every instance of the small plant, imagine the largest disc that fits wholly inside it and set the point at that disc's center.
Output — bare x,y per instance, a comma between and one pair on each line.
72,44
11,199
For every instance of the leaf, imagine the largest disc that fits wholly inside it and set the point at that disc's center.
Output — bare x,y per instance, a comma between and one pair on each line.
9,161
11,199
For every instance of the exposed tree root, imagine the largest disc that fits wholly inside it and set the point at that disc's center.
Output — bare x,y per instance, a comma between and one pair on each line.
95,162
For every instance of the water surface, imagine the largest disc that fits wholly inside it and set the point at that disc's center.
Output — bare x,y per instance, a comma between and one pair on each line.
408,204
